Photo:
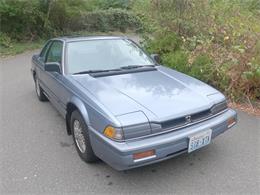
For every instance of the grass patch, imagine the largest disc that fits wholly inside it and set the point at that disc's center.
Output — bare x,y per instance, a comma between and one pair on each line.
20,47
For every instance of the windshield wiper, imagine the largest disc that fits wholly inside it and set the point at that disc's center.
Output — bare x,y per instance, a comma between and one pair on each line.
116,69
135,66
97,71
91,71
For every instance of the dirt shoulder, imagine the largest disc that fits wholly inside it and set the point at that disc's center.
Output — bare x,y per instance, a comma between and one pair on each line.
246,107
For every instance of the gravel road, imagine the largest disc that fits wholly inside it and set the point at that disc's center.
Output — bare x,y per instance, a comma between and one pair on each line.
37,156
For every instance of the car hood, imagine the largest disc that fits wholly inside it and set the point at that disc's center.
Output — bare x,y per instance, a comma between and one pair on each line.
161,94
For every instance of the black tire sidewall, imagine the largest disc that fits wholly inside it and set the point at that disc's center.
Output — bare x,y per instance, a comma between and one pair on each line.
40,96
88,155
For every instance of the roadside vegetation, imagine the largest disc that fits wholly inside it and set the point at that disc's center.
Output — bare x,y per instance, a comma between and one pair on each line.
20,47
27,21
217,41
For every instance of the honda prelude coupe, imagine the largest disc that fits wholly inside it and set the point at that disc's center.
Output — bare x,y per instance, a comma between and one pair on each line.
121,106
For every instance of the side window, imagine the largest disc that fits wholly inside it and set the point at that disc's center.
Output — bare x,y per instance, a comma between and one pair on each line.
55,52
44,51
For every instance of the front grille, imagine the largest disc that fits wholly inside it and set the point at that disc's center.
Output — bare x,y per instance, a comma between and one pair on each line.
173,123
186,119
193,118
201,115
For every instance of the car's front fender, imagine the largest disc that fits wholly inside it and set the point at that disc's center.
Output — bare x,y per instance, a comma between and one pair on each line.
81,107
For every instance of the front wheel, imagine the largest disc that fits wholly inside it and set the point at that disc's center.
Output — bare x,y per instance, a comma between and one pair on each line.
39,92
81,137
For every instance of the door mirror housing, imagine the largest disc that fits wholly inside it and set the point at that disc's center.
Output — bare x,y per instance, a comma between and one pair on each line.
52,67
41,58
156,58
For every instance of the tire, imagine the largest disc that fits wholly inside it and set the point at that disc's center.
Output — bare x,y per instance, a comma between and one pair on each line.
39,91
77,122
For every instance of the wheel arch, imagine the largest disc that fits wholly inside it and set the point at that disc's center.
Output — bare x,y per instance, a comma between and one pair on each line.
34,74
75,104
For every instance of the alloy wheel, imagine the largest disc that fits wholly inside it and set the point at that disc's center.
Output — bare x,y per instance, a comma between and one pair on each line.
79,137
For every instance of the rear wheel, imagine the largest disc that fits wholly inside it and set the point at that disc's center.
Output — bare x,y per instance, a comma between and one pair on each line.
39,91
81,137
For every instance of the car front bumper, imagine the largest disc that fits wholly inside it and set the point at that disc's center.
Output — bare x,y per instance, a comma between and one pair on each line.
119,155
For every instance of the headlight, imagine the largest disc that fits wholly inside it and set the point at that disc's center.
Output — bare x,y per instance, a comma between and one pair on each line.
219,107
113,133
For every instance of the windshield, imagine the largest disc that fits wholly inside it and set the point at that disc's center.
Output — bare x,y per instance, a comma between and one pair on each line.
103,55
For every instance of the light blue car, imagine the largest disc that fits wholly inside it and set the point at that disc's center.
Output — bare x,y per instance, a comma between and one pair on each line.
121,106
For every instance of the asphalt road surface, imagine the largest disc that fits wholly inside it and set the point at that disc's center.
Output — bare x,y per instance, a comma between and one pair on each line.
37,156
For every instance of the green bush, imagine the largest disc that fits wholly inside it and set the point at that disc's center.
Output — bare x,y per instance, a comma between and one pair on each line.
110,20
20,19
177,60
251,81
164,42
107,4
202,68
32,19
214,41
5,40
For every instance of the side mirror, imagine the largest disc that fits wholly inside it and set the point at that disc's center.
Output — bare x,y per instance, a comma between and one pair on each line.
52,67
40,58
156,58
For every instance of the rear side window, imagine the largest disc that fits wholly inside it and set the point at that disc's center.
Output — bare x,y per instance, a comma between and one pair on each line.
55,52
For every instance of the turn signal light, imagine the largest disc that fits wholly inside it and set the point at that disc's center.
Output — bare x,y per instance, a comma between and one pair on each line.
110,132
113,133
144,155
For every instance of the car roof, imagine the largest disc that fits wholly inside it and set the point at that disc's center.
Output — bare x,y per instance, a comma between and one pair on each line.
85,38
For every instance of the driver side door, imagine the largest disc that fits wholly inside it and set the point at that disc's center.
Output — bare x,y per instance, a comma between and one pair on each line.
54,80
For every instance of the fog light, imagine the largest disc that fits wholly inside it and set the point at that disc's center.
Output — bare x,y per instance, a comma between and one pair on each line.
144,155
231,122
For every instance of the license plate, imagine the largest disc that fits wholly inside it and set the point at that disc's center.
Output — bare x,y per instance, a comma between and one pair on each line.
199,140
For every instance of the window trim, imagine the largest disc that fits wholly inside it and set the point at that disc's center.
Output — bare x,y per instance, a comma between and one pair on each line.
62,53
65,72
47,46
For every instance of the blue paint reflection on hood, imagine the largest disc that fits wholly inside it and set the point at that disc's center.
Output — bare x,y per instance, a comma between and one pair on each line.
160,94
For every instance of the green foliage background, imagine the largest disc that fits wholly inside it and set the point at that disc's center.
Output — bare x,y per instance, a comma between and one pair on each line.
32,19
216,41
